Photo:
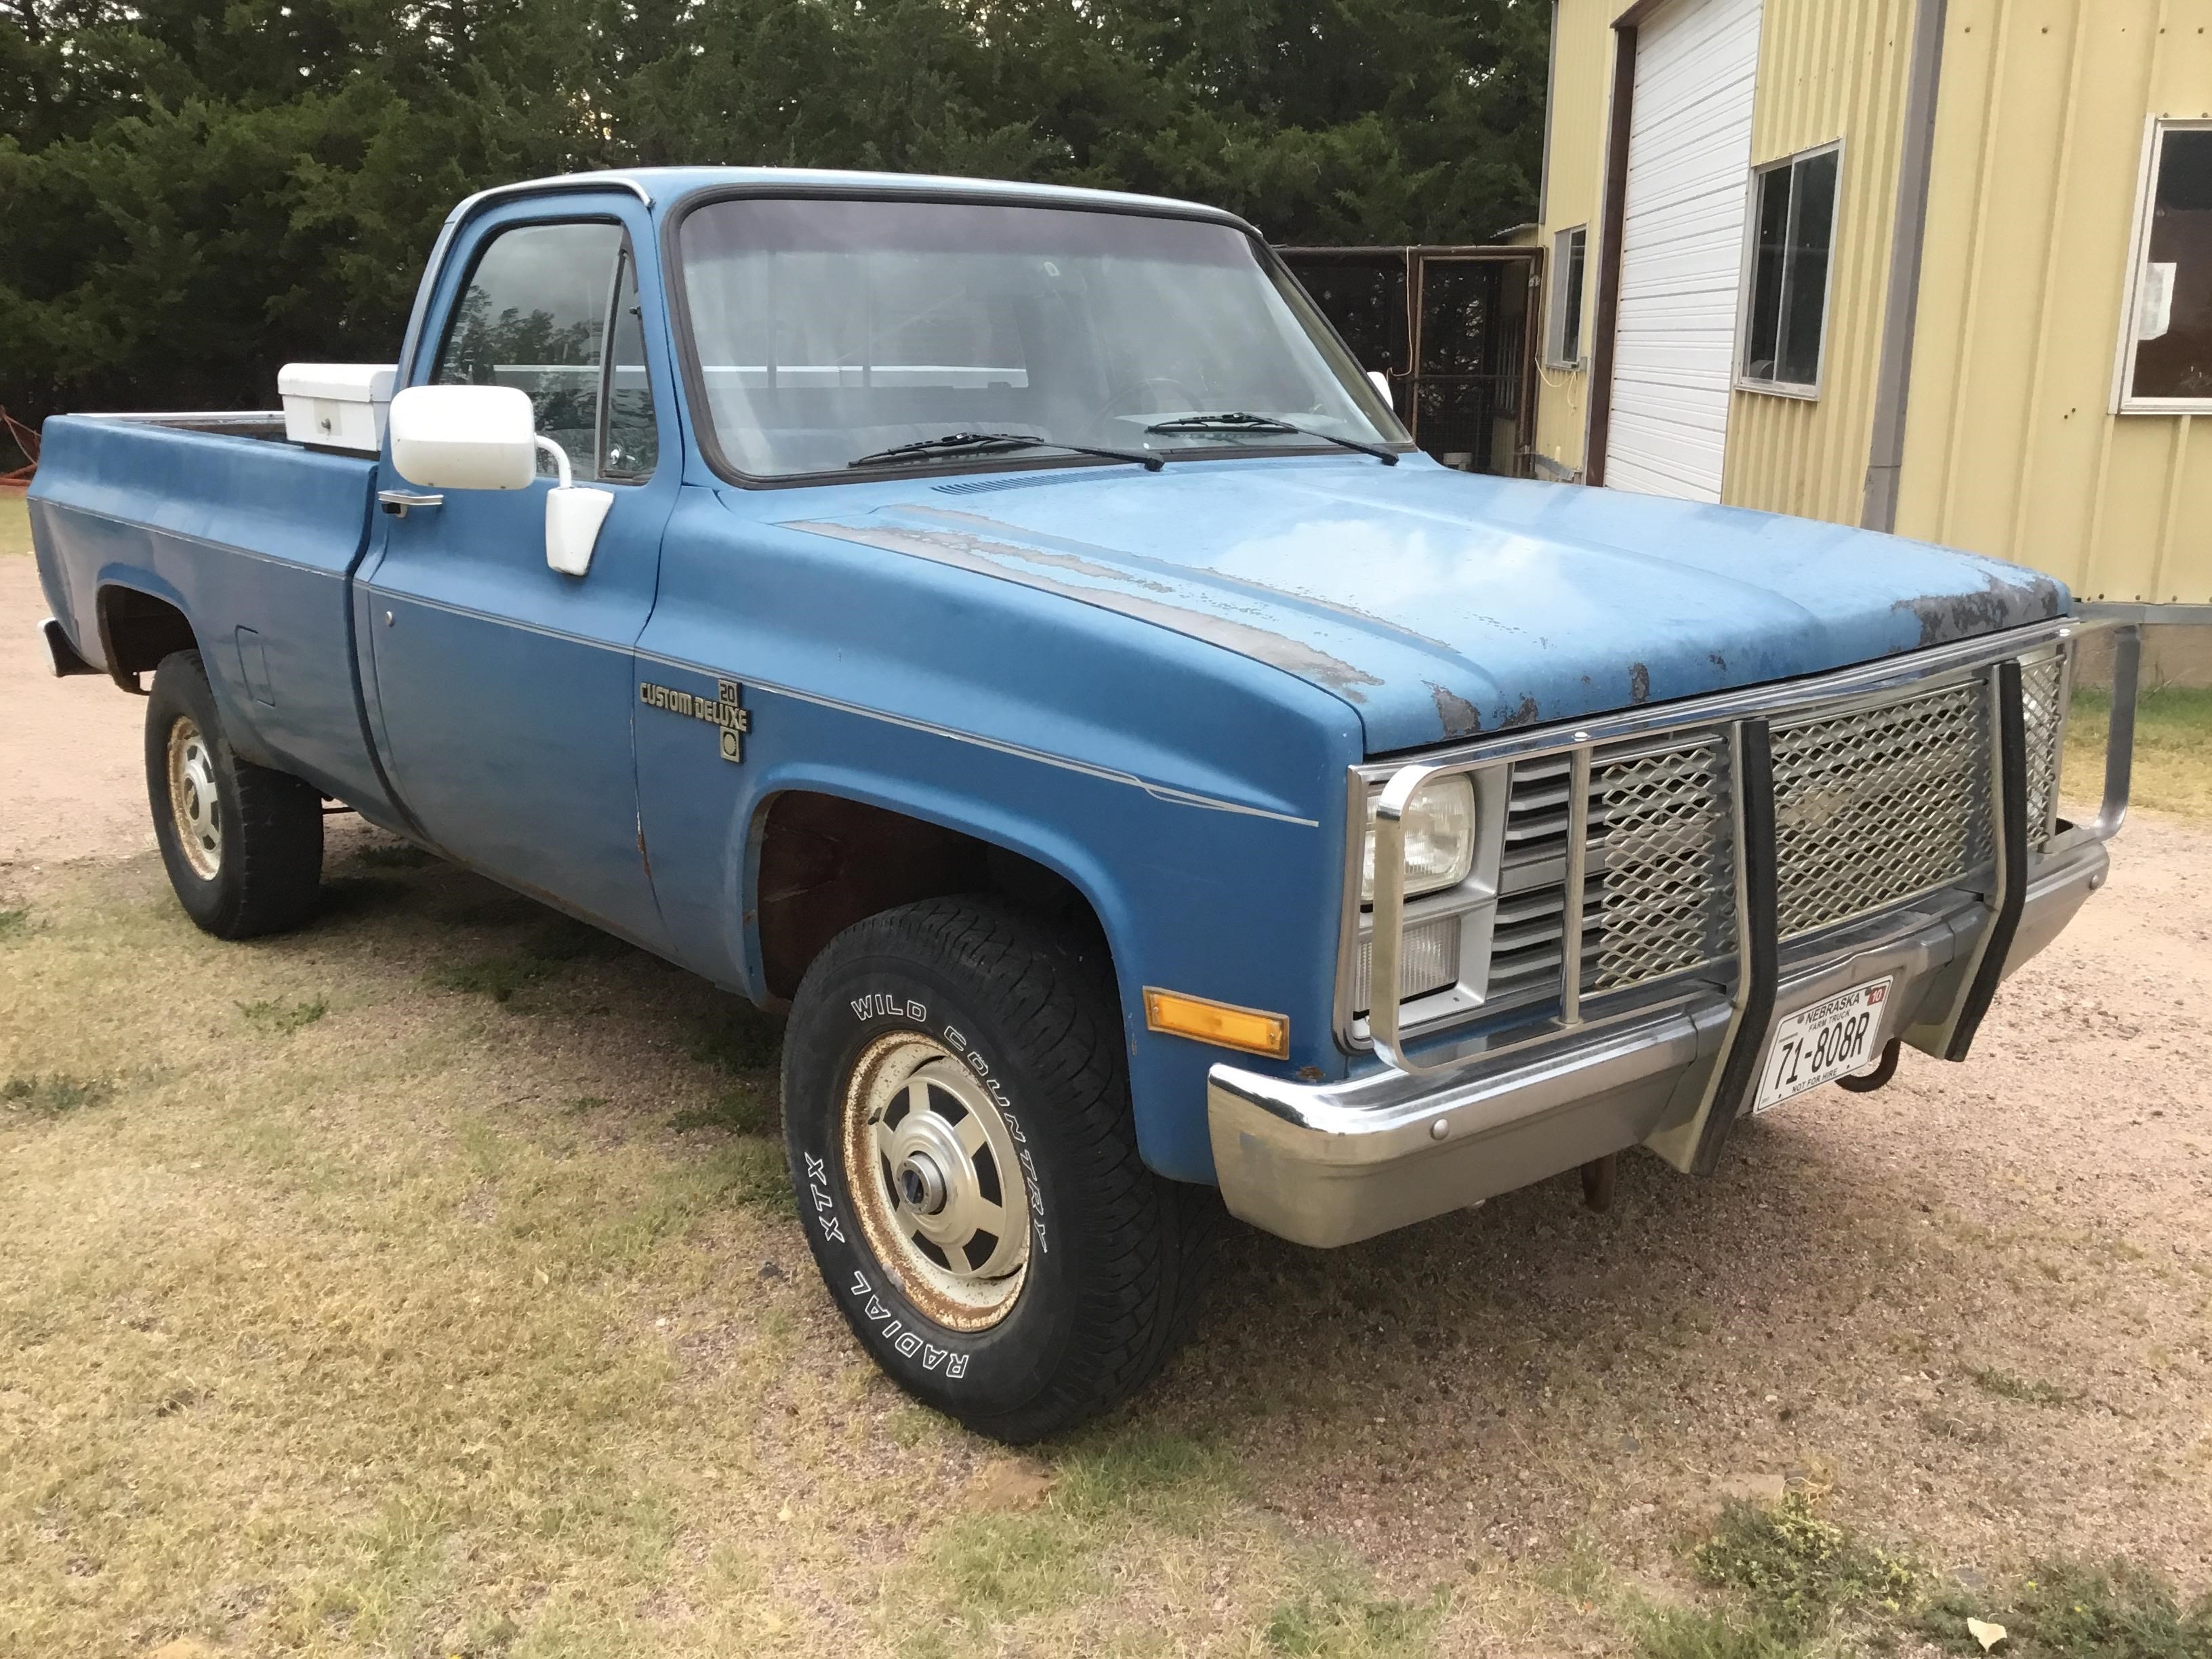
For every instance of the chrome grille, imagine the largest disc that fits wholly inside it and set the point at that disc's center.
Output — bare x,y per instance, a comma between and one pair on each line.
1667,894
1873,805
1879,799
2043,696
1525,954
1878,804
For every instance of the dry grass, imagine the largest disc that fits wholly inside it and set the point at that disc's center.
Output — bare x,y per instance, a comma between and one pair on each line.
2173,748
352,1310
15,523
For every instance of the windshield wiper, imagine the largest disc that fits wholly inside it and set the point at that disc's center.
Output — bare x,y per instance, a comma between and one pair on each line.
997,443
1236,420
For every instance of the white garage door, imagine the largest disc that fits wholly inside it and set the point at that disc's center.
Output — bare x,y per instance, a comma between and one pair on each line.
1682,250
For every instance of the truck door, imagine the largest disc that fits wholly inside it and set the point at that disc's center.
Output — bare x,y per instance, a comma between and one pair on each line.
504,688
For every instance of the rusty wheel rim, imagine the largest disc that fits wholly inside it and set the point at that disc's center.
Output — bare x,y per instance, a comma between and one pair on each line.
195,799
937,1180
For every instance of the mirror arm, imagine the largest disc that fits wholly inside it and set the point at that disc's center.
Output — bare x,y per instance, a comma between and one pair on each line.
560,460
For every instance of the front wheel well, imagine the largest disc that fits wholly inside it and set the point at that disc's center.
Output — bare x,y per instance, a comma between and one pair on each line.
137,630
827,862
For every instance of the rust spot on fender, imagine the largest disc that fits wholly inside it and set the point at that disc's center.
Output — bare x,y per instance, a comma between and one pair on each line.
1458,717
1524,713
965,550
1996,605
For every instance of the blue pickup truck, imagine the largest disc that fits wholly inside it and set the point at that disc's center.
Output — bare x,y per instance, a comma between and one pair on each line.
1003,629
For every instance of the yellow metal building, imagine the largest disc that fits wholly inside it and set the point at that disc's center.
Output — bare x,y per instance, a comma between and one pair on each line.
1943,267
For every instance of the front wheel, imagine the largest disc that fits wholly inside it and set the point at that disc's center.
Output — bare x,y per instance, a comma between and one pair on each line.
243,845
957,1109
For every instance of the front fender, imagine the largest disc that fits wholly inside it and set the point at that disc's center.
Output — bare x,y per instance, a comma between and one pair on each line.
1203,899
1193,795
1045,844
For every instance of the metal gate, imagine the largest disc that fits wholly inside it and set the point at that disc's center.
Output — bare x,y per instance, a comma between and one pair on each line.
1454,330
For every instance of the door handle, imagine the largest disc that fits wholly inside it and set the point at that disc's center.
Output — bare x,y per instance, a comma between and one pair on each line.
398,501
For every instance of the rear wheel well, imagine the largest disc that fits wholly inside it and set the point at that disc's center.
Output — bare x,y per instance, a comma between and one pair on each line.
136,630
827,862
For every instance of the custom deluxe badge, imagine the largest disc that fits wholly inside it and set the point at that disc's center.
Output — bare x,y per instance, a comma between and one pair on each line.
721,710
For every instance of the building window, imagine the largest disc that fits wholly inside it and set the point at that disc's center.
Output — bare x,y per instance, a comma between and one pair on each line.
2165,357
1793,231
1570,250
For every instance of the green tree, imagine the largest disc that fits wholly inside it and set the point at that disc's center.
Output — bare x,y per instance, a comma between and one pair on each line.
198,191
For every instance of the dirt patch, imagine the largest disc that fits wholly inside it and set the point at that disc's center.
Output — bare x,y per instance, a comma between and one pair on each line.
71,766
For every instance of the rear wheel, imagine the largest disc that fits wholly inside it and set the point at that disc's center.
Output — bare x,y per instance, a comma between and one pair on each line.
243,845
956,1109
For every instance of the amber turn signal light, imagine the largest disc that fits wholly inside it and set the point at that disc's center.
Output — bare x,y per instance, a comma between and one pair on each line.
1218,1023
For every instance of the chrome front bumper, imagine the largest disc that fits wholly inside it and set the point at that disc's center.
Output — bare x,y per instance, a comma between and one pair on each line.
1330,1163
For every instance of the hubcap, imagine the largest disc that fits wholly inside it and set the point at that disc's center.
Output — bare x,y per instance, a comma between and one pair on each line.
921,1184
937,1181
195,803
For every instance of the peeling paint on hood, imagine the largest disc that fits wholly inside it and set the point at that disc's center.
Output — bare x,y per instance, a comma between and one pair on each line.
1441,604
1111,589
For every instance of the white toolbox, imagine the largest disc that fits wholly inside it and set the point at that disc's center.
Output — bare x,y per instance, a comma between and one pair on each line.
336,405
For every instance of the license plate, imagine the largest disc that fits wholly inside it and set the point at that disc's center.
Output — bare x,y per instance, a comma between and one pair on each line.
1823,1042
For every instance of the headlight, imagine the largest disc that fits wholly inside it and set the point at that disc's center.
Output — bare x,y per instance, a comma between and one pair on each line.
1439,826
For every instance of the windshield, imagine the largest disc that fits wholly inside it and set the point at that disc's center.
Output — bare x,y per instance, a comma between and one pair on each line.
830,331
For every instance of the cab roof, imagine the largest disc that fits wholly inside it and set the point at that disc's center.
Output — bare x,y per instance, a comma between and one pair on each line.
663,188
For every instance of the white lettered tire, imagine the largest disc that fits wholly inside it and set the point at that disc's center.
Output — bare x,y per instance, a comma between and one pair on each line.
955,1107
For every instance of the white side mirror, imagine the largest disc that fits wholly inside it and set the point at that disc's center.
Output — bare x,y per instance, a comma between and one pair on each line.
572,517
465,437
1382,384
485,437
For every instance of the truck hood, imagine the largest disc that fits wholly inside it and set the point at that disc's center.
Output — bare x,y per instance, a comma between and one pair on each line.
1442,605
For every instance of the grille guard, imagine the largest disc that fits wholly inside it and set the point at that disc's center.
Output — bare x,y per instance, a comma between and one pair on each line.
1746,721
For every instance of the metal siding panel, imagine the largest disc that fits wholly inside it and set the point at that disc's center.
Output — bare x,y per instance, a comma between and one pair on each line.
2027,151
1682,249
2188,493
2181,73
2122,562
2010,448
2053,507
1833,70
1581,88
1868,104
1959,169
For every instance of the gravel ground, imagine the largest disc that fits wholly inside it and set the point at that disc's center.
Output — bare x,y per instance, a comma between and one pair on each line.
1975,1307
70,765
1972,1312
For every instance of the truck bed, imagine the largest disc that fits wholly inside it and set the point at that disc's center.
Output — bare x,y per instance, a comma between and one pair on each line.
142,520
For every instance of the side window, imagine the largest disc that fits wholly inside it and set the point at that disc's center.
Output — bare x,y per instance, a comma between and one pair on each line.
1570,251
1794,225
631,444
2168,356
539,311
